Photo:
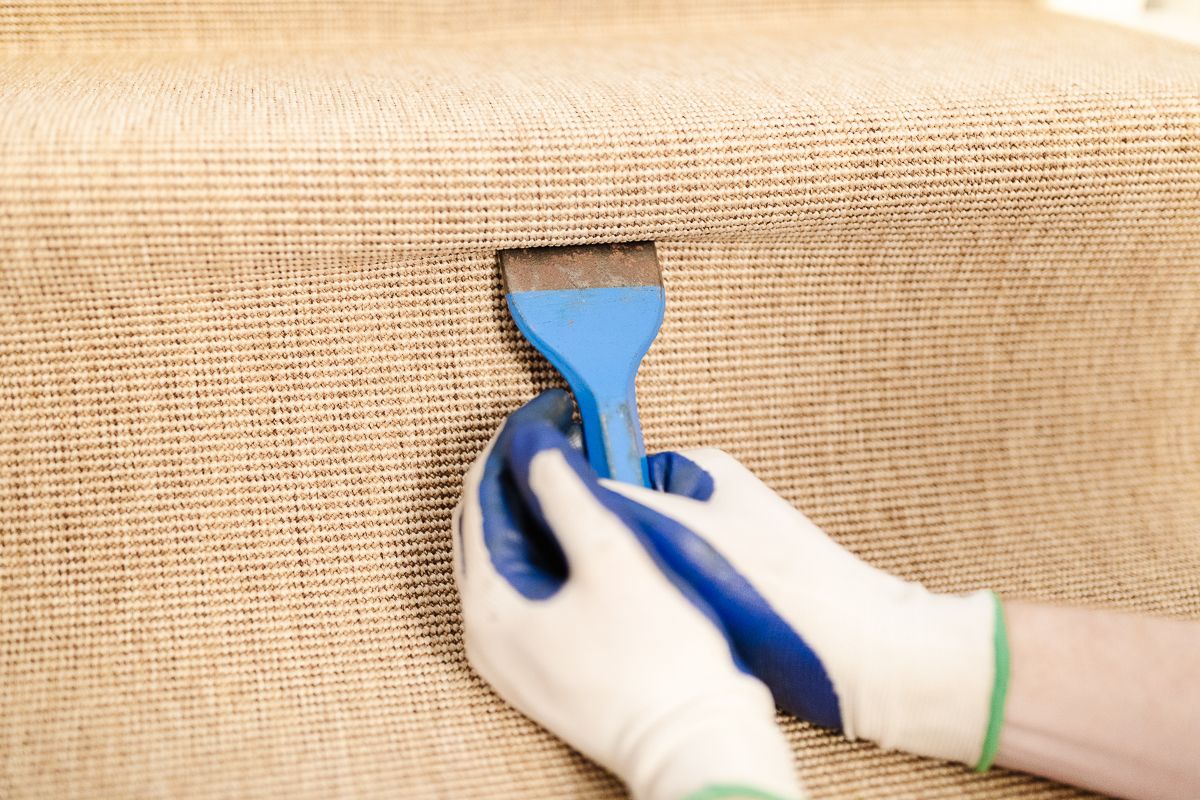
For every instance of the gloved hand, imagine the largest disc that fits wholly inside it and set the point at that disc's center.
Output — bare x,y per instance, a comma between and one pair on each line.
574,623
840,643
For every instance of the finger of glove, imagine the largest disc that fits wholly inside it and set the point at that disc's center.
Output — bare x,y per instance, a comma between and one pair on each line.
552,406
490,526
562,493
678,506
678,530
729,483
675,473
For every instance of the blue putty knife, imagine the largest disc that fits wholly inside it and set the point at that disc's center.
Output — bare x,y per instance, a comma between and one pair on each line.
593,312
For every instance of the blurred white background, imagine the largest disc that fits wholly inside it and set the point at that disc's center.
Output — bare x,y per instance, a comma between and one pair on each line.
1179,19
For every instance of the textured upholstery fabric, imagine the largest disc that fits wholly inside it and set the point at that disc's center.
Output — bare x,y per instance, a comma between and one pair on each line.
935,276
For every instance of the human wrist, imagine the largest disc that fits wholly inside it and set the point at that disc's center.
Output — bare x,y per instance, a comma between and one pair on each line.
927,683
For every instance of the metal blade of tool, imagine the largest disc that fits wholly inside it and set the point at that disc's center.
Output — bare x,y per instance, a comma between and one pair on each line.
593,312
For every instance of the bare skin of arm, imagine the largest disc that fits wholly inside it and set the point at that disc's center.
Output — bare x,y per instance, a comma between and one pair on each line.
1105,701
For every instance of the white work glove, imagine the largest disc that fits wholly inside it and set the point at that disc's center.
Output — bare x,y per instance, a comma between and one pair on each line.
573,622
839,643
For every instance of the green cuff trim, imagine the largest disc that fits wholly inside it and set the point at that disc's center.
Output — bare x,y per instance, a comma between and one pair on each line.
722,791
991,742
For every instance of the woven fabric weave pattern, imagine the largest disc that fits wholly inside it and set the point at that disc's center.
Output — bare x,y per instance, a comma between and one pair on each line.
937,283
31,26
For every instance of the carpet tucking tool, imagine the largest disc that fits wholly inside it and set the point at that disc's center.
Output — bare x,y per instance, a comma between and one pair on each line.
593,312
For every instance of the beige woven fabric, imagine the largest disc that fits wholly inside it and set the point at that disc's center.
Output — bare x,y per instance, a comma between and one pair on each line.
937,282
163,25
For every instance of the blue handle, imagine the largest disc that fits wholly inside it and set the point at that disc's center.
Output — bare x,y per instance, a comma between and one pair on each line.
612,432
596,338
